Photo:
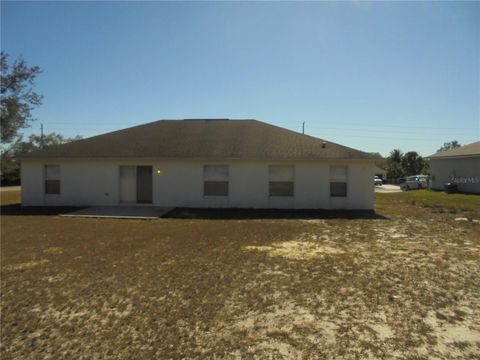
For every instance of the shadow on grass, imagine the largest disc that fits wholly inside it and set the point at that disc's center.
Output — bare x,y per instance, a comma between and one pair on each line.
248,214
18,210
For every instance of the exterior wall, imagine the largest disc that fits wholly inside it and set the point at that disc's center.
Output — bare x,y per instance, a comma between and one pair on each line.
32,176
80,184
180,184
443,171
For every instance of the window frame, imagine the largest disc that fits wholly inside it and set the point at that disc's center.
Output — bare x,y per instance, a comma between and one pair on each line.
284,182
338,179
48,179
206,180
338,195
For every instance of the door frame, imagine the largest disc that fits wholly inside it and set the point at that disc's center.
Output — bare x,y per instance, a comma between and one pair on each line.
139,189
120,189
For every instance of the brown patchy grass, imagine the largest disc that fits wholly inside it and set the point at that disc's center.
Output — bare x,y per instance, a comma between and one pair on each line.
405,286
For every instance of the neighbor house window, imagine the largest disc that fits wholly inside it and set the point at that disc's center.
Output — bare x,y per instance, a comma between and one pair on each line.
215,180
52,179
338,181
281,180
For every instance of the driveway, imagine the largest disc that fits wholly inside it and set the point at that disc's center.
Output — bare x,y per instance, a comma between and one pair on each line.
388,188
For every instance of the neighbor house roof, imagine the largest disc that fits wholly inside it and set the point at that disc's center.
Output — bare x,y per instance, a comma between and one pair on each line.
463,151
202,139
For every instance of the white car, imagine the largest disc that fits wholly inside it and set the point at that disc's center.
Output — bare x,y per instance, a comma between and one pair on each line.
415,182
377,181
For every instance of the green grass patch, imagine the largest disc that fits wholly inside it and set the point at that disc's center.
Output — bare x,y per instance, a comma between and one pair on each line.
434,199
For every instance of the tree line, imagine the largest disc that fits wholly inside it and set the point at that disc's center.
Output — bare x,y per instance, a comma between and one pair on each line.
17,100
399,164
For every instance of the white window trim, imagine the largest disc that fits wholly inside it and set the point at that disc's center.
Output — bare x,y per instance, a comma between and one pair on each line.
338,179
205,179
45,179
293,180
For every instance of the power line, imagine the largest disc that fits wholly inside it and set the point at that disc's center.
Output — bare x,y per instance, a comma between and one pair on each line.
396,131
101,127
376,125
424,139
415,127
438,136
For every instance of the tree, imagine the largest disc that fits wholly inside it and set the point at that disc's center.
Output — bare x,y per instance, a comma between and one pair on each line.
393,164
412,163
10,166
17,96
449,145
426,168
36,142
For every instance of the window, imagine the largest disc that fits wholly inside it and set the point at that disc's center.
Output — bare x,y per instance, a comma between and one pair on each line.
338,181
52,179
215,180
281,180
338,189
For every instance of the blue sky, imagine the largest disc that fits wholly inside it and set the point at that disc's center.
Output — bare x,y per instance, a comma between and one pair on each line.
370,75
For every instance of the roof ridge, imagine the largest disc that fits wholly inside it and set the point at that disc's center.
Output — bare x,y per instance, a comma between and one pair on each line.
313,137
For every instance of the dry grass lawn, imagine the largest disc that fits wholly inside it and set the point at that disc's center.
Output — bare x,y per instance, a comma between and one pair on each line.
405,284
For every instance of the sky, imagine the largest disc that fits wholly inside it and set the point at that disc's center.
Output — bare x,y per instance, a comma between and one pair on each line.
370,75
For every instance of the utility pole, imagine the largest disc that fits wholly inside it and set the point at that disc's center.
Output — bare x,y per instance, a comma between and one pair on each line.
41,135
303,128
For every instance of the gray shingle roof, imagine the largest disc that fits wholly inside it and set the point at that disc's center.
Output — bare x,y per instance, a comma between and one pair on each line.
202,139
469,150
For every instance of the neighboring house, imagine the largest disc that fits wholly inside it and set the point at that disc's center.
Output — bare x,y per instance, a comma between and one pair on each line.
200,163
460,165
381,173
379,165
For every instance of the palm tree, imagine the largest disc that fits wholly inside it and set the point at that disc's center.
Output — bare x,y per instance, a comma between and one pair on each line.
394,164
396,155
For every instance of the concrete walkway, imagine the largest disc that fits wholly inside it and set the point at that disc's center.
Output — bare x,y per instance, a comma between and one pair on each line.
388,188
10,188
121,212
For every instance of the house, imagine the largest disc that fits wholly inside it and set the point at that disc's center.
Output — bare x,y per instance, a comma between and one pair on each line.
200,163
381,173
460,165
379,165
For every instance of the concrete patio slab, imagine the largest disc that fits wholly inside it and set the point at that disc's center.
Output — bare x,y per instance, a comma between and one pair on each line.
121,212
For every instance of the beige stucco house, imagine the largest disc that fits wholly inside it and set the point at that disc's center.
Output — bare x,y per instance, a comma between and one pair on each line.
460,166
200,163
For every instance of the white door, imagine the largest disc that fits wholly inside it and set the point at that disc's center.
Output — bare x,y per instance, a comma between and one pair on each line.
128,184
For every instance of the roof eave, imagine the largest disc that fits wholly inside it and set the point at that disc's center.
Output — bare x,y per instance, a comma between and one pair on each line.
439,157
184,159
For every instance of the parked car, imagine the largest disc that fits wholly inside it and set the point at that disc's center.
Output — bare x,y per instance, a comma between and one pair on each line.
415,182
450,188
377,180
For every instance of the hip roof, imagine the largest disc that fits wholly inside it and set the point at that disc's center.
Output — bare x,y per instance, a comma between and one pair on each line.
202,139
